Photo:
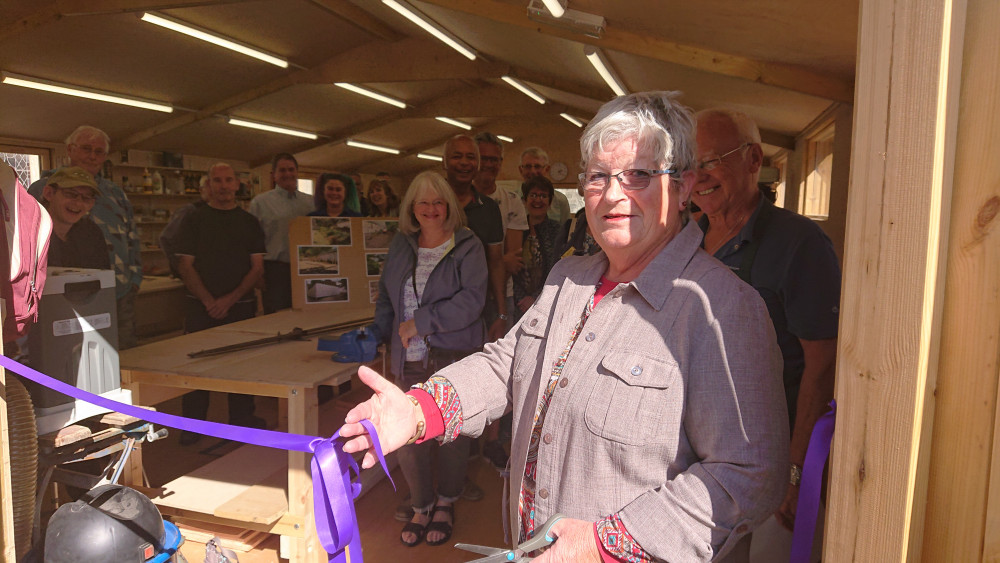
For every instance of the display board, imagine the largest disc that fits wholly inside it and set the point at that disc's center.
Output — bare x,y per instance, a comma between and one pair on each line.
337,261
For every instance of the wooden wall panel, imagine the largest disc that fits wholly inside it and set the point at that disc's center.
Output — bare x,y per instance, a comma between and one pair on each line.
896,228
962,521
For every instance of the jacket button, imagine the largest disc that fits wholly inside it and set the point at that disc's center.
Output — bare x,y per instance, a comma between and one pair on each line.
590,337
563,382
636,370
543,493
533,323
547,438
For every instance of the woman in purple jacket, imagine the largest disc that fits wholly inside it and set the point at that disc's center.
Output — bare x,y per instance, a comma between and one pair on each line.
430,300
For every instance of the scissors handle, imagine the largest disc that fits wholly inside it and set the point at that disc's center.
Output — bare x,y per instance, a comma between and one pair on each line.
542,535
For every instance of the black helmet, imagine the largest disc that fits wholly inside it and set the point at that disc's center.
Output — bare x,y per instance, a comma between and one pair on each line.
108,524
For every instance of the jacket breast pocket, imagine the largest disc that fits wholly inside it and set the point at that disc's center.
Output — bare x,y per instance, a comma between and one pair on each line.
638,399
529,351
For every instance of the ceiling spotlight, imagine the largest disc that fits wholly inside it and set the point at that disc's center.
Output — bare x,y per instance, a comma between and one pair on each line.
505,138
454,122
426,156
371,147
273,128
211,37
572,20
55,87
371,94
601,65
556,7
443,35
571,119
524,89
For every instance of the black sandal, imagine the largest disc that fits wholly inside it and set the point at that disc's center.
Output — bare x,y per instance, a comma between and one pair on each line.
419,530
443,527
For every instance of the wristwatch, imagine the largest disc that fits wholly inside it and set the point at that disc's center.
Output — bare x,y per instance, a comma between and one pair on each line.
502,316
795,476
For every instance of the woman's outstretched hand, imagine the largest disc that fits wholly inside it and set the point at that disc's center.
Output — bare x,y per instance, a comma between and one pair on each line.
392,414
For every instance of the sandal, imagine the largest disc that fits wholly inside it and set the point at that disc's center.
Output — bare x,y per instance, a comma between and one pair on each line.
419,530
443,527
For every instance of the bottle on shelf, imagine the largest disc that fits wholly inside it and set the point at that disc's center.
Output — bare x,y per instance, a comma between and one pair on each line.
157,182
147,180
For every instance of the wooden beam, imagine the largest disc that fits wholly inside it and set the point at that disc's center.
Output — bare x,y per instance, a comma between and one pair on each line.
962,490
359,18
896,249
96,7
789,77
776,139
406,60
46,14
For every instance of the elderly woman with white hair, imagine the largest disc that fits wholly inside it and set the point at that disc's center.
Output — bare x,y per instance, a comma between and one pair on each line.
645,380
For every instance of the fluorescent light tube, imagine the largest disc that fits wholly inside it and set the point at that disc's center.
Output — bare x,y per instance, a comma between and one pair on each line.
505,138
454,122
524,89
411,13
272,128
556,7
47,86
426,156
205,35
596,58
571,119
371,147
371,94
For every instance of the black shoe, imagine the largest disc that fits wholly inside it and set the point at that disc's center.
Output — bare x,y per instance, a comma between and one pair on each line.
494,453
472,491
404,512
189,438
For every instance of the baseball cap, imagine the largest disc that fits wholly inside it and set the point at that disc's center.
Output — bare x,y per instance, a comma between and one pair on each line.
72,177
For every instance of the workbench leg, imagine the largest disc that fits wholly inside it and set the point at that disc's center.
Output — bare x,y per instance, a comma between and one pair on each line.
303,418
132,474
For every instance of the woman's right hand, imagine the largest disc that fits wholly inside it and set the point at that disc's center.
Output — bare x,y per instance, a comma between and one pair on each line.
389,410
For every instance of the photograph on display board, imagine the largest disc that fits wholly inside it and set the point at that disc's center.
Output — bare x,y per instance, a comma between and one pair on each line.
335,231
326,290
373,291
378,234
375,261
316,260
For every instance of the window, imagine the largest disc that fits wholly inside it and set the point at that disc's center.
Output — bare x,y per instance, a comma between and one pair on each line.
780,161
306,186
815,201
28,163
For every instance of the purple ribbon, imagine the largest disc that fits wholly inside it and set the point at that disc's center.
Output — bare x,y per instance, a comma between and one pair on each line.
807,511
334,488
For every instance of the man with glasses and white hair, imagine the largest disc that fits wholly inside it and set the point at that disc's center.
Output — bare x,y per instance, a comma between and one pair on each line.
87,148
786,257
644,380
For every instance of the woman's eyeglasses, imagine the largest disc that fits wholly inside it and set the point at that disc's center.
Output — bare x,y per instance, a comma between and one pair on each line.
631,179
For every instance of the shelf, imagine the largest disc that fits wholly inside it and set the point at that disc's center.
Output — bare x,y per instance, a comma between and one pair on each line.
169,168
150,194
164,222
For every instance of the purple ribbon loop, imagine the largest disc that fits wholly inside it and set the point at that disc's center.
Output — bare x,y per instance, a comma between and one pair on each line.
334,489
807,511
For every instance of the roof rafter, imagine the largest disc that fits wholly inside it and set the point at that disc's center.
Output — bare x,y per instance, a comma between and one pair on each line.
359,18
789,77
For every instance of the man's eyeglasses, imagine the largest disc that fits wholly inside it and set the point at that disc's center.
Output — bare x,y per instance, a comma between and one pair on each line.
537,195
631,179
96,151
711,163
535,166
74,195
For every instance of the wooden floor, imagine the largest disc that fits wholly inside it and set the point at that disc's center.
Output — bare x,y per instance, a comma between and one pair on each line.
476,522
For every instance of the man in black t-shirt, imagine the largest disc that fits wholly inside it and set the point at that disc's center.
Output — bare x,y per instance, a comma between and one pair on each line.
220,258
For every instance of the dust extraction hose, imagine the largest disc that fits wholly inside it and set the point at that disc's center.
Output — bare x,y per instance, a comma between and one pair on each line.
23,461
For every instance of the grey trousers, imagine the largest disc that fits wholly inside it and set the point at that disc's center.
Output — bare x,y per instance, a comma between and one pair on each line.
420,469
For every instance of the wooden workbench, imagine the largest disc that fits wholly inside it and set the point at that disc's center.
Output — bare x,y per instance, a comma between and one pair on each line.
290,370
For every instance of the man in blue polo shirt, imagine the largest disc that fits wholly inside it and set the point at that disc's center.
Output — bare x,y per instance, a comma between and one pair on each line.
786,257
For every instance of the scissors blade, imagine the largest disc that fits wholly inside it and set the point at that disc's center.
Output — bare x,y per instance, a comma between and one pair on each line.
481,549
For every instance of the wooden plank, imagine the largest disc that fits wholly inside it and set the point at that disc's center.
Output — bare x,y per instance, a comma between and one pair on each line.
264,502
897,228
213,485
239,539
7,552
303,419
962,487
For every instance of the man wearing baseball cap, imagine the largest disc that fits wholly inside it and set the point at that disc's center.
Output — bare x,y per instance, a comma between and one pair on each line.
69,195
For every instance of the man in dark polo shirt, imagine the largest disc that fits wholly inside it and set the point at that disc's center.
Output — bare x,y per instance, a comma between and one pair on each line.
786,257
461,163
220,258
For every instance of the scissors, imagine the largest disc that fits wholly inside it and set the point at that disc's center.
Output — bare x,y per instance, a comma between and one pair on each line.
518,554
